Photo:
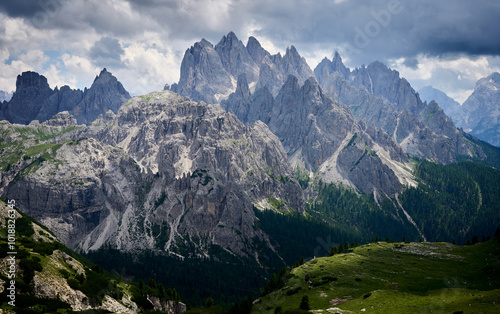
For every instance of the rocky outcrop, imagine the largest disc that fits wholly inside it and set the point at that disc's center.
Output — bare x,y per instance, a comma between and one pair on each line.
210,73
167,306
161,174
379,97
480,113
62,118
35,100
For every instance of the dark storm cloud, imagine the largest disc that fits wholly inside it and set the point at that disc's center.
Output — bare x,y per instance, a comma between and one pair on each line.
380,29
19,8
373,31
107,52
366,30
411,62
103,17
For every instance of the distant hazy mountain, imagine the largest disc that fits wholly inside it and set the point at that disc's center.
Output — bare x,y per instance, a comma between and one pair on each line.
480,113
448,104
35,100
5,96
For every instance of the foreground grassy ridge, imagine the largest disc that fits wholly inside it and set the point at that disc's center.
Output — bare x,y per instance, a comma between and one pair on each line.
396,278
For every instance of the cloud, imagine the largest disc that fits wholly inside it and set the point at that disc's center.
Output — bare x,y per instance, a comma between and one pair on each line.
147,68
27,61
411,62
107,52
456,75
19,8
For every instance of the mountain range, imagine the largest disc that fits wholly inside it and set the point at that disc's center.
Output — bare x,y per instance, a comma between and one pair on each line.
210,73
35,100
479,114
162,172
198,167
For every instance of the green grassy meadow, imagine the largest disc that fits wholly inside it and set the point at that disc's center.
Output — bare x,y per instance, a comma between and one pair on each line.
395,278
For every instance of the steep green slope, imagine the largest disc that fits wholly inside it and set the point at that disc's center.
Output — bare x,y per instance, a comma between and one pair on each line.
454,202
451,203
395,278
491,153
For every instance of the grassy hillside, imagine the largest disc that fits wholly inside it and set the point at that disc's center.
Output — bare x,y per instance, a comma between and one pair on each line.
395,278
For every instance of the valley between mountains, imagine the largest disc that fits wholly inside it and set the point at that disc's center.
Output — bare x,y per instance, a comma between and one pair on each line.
252,163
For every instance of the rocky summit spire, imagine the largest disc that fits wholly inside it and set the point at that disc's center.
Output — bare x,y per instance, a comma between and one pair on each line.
338,66
106,93
104,77
255,50
235,57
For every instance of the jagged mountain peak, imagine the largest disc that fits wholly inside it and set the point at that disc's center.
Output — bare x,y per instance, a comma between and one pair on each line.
104,77
213,77
292,53
235,57
252,41
255,50
204,43
198,46
292,50
379,96
479,114
326,68
338,65
230,38
104,72
379,66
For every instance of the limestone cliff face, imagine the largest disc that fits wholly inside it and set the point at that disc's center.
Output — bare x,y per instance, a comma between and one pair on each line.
163,173
318,134
378,96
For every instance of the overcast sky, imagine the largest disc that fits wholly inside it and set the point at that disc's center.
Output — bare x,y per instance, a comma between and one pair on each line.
449,44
